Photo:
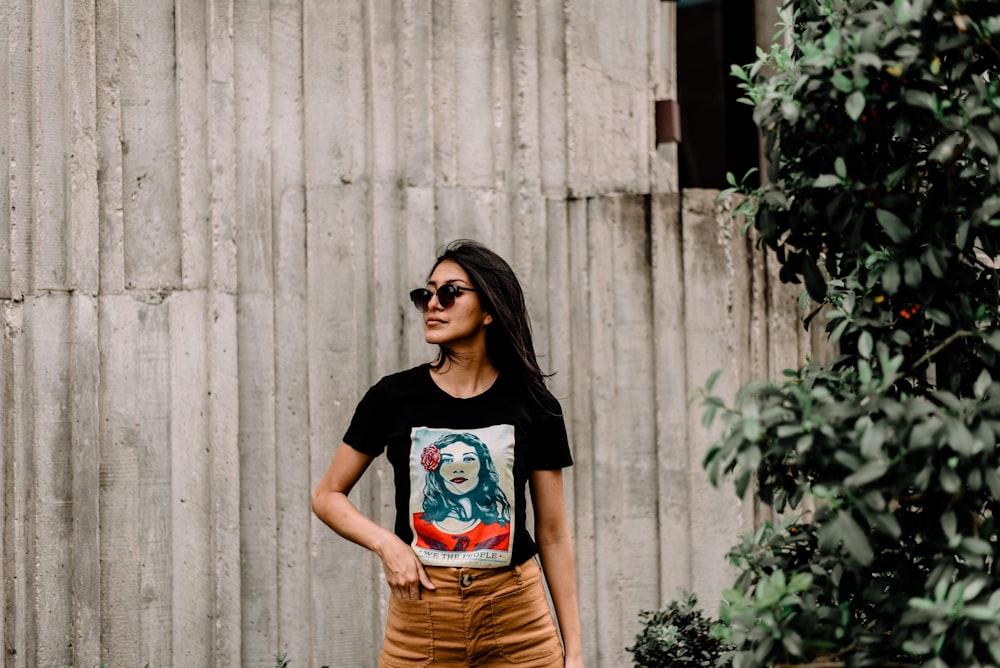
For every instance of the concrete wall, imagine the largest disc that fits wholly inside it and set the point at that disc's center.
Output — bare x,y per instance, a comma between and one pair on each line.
213,211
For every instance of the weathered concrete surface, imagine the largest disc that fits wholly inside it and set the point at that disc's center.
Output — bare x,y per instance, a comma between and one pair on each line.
213,212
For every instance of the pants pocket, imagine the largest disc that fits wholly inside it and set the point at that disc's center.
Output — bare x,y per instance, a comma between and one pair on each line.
522,625
409,635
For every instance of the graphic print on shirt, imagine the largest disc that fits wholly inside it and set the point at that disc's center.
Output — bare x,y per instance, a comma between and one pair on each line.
461,487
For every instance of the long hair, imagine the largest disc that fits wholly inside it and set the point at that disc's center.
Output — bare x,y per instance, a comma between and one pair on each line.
508,338
489,503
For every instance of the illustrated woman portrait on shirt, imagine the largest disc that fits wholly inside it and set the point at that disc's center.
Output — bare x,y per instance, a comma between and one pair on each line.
464,508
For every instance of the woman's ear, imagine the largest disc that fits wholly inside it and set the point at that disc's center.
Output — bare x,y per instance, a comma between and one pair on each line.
488,319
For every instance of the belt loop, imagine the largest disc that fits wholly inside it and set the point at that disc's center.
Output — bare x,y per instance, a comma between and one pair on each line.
517,571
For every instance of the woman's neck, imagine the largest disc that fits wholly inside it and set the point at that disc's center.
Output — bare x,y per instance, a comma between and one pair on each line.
464,375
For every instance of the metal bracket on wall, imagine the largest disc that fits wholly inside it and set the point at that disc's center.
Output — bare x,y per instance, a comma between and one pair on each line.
668,121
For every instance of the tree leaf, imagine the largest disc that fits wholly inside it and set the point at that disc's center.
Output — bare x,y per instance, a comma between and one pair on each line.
873,439
949,524
854,538
984,140
831,40
908,51
842,83
938,316
792,642
826,181
912,272
893,226
982,384
887,524
713,378
815,283
932,258
855,105
977,546
921,99
948,399
868,60
993,482
790,111
962,233
865,374
890,277
742,482
960,439
923,434
870,472
973,589
944,150
950,482
865,344
980,613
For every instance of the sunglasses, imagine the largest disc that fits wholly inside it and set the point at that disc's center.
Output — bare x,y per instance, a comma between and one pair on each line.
446,294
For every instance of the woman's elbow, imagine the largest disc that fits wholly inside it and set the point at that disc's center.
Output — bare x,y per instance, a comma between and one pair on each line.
319,496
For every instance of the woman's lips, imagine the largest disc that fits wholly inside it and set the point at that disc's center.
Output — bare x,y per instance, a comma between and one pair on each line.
459,480
433,321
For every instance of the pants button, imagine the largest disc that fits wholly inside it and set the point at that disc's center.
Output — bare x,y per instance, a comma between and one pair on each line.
465,580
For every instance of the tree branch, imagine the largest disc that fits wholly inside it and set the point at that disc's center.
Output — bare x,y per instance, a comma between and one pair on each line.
929,355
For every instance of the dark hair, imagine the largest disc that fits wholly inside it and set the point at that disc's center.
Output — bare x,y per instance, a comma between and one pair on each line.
489,503
508,338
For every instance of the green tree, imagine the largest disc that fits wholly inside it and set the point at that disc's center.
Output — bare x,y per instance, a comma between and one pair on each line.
881,126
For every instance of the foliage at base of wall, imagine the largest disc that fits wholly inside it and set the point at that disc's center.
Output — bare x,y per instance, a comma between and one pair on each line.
678,636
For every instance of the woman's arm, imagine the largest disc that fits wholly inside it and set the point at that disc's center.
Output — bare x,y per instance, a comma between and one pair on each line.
555,545
403,571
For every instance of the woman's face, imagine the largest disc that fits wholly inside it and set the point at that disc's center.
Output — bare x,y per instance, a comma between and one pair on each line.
459,468
464,323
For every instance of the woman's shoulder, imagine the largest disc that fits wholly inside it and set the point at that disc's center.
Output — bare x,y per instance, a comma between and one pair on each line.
405,379
548,403
537,401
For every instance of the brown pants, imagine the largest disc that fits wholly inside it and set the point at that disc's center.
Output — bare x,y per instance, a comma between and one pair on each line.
476,617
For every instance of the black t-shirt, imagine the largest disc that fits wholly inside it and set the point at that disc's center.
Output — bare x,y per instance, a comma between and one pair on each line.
461,466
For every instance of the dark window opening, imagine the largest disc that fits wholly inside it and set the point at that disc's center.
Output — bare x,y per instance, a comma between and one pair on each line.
717,132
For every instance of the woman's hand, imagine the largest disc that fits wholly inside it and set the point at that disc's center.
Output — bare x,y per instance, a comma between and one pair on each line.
403,571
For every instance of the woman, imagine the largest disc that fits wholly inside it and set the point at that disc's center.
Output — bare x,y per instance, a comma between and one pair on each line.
483,604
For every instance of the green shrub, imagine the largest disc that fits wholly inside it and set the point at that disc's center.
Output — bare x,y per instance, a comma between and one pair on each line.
881,126
678,636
